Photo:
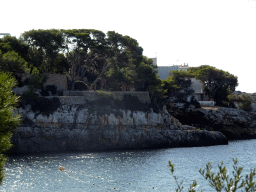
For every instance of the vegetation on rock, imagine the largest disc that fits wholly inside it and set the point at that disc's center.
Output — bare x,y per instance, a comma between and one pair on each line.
244,101
9,118
220,181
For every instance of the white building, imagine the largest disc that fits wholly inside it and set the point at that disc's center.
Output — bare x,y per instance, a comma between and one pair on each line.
163,71
4,34
154,60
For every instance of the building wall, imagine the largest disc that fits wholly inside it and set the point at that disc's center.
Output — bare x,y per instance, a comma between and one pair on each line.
197,85
163,71
154,60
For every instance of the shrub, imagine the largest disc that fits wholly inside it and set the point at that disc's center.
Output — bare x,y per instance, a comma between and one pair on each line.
194,102
244,101
49,88
36,82
221,180
46,106
9,119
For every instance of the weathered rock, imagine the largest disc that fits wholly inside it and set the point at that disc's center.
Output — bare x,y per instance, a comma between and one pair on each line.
233,123
81,127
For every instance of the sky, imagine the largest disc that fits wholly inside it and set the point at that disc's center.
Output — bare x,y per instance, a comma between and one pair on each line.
219,33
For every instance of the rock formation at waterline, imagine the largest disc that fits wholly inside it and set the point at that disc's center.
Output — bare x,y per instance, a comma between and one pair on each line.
233,123
105,124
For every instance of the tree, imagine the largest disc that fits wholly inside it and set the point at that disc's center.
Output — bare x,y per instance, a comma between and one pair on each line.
13,62
47,45
147,77
9,118
9,43
178,86
95,55
244,101
125,56
218,84
92,56
87,52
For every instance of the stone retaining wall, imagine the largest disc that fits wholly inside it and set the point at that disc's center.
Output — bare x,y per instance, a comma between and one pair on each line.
143,96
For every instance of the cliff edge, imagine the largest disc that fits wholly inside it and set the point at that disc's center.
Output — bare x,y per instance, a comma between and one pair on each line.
235,124
78,124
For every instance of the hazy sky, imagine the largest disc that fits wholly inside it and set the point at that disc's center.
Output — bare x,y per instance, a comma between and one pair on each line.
220,33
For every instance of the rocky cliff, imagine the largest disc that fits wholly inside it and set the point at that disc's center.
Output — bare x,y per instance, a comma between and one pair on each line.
104,124
233,123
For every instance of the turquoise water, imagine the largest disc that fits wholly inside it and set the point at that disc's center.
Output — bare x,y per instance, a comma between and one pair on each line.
133,170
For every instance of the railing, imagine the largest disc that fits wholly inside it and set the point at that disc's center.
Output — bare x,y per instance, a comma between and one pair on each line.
207,103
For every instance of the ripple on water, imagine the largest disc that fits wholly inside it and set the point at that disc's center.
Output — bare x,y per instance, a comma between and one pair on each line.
133,170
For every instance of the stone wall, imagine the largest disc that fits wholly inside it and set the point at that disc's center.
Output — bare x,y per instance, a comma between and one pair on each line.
59,80
95,95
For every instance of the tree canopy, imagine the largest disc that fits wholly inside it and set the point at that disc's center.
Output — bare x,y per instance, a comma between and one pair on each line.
178,86
13,62
8,44
91,54
218,84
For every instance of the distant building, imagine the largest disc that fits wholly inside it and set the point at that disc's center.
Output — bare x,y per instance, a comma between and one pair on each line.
154,60
199,94
4,34
163,71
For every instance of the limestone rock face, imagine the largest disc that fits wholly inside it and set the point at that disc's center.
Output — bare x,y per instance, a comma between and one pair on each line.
77,127
234,123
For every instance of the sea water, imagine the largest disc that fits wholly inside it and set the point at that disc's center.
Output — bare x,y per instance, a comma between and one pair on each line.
127,170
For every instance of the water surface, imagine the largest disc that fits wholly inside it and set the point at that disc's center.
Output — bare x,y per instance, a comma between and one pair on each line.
131,170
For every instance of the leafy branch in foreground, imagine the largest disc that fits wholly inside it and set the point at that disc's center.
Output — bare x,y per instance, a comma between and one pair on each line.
192,187
9,117
221,180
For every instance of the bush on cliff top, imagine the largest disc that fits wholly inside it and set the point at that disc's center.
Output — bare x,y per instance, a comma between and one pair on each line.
244,101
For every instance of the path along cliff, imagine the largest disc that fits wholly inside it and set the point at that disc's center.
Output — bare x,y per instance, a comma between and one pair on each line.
103,123
235,124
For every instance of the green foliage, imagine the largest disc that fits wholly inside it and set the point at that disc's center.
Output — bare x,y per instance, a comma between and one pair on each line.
92,54
180,188
46,106
45,48
244,101
12,62
221,180
178,86
105,94
8,44
147,77
218,84
9,118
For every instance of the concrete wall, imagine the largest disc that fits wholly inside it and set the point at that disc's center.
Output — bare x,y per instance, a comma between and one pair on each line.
143,96
207,103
